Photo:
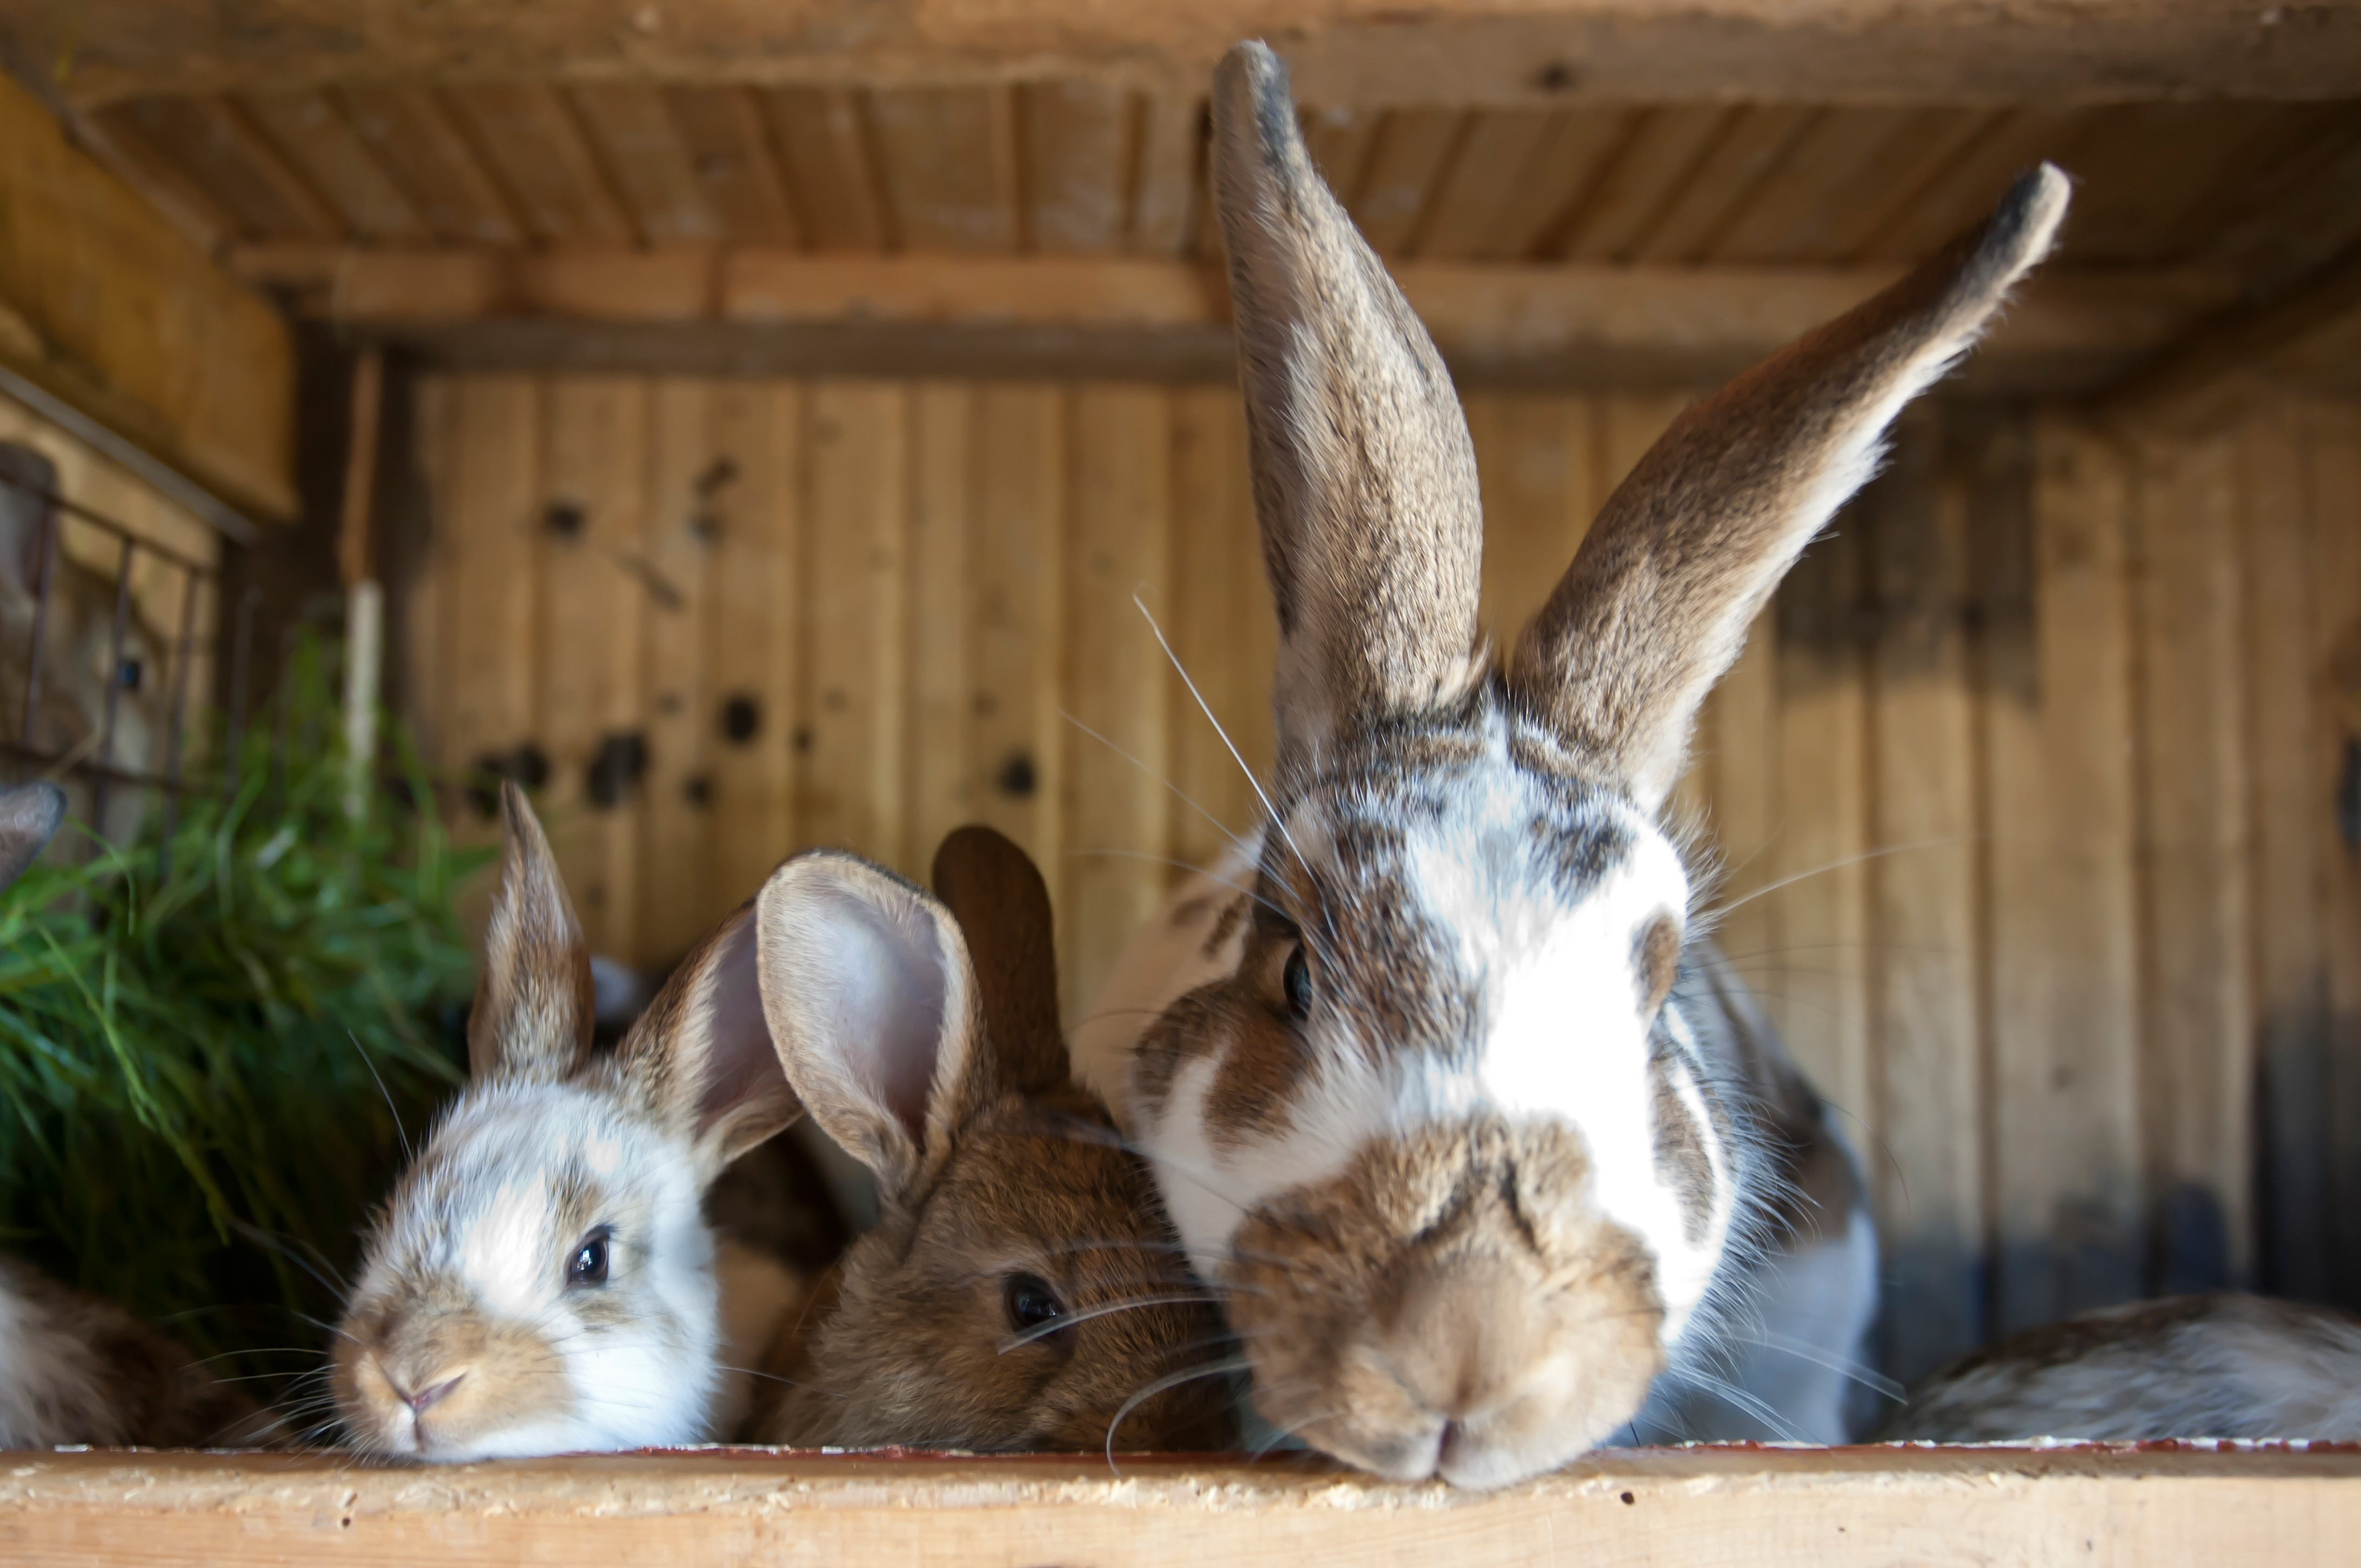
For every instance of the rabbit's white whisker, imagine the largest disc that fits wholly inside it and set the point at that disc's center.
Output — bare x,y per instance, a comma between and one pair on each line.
1104,1308
1221,1368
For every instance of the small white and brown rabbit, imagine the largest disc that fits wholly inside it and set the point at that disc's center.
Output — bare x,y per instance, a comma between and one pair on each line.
1442,1084
1022,1289
2217,1366
543,1278
79,663
74,1368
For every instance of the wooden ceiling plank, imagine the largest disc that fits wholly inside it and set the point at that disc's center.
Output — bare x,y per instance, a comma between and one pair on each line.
1845,177
2148,175
2188,383
824,150
1646,178
1414,151
307,128
629,123
1339,137
1964,192
1570,160
1493,163
1721,189
1077,149
215,148
413,137
1171,165
2301,214
527,133
729,146
116,137
949,166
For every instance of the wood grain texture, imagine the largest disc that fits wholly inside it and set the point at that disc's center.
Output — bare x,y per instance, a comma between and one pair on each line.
752,503
1015,617
942,774
2065,1009
1118,802
2334,482
105,306
1536,53
677,899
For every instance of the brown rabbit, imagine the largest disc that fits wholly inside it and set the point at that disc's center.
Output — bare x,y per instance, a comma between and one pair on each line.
1022,1287
78,656
2220,1366
74,1368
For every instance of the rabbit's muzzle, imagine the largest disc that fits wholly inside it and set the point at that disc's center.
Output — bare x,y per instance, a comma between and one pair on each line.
437,1380
1451,1305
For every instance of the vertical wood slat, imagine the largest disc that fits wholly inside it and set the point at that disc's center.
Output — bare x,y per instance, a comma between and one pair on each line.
1016,737
942,775
854,642
2195,1074
750,713
676,835
595,436
1926,1157
2293,835
2334,484
2064,977
1223,627
1118,806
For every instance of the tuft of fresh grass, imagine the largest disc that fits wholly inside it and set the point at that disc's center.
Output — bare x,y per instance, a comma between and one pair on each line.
207,1059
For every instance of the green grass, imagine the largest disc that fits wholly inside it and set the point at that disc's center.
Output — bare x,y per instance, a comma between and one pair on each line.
200,1072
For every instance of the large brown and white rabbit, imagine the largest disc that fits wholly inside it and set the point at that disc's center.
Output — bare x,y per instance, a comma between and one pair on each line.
79,662
1022,1287
1439,1079
542,1279
2219,1366
75,1368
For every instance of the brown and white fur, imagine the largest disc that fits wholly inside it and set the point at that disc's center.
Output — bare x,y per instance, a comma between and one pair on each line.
1446,1090
1022,1287
73,1368
542,1279
2220,1366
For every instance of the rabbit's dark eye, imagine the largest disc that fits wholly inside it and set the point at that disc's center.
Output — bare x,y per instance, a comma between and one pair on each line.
1030,1302
588,1264
1296,978
127,674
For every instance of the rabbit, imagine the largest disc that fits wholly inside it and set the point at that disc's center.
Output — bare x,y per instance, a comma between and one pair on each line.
1022,1289
2217,1366
1442,1084
542,1279
74,1368
79,660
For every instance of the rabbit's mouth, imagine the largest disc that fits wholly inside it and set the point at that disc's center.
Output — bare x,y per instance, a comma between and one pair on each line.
1450,1306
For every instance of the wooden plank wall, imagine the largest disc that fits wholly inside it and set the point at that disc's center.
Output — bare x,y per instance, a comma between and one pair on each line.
2035,792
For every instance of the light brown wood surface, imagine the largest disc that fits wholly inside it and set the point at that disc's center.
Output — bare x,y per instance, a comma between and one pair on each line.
105,306
1496,50
1672,1507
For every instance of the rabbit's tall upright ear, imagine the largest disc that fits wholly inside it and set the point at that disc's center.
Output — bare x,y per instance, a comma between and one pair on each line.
27,479
1364,476
29,815
534,1009
1656,605
872,999
996,894
701,1055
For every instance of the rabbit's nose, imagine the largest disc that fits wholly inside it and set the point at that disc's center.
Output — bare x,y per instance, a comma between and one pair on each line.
430,1395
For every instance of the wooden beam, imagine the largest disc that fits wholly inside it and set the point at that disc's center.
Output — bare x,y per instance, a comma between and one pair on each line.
1831,1507
1369,51
109,308
2305,336
1541,324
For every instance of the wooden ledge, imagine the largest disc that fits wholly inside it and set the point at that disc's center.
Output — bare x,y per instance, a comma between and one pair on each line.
2149,1504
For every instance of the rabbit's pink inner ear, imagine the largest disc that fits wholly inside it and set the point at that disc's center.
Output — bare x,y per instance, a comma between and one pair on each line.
741,1091
859,985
